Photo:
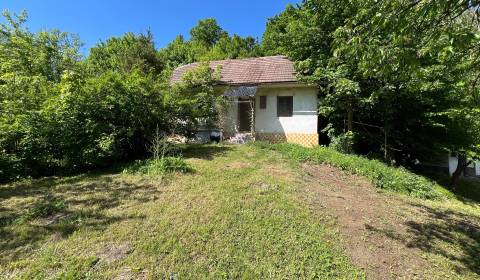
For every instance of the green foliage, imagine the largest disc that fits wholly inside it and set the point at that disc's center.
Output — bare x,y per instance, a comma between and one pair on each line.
165,157
467,189
30,59
125,54
199,101
177,52
106,116
208,42
207,32
62,114
31,66
158,167
381,175
232,47
408,67
343,143
10,166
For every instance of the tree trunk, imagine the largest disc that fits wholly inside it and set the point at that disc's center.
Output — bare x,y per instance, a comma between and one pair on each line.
461,166
350,118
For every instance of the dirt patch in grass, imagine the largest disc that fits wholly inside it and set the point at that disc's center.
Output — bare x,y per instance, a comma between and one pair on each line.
114,252
50,220
277,171
263,187
237,165
128,274
390,237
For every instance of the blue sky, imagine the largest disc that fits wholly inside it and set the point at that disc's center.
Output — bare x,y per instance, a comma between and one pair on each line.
99,20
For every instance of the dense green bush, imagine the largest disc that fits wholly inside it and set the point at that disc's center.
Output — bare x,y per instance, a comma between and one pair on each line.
9,166
107,118
61,113
86,122
381,175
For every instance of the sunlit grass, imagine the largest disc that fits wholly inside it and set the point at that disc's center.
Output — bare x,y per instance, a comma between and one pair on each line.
236,216
240,212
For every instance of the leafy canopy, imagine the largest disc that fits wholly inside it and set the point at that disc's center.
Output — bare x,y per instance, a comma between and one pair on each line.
61,112
208,42
409,68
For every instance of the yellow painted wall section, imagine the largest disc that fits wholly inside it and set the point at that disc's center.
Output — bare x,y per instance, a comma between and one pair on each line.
304,139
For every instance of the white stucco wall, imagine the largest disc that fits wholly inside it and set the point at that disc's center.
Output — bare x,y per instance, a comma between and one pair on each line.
452,164
303,120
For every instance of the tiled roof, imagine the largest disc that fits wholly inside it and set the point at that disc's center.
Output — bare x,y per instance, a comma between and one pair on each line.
247,71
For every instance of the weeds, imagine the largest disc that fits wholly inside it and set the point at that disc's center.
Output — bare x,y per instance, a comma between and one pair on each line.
166,157
156,167
42,209
381,175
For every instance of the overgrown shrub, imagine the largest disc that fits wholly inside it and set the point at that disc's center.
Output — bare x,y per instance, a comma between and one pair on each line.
158,167
381,175
160,147
343,143
10,167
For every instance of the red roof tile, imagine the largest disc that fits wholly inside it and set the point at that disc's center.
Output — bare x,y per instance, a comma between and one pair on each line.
247,71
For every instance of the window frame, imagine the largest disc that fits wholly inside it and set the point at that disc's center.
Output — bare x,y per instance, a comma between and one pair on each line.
290,111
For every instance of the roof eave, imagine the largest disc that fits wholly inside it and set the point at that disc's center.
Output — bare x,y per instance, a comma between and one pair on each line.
257,83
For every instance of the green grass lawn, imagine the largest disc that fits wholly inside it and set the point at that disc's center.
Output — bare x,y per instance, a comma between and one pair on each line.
235,215
235,212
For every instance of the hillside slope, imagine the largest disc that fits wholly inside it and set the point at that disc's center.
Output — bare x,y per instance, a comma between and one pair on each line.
242,212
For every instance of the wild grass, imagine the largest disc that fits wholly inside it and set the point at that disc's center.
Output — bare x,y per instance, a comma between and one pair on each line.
236,216
396,179
159,166
41,210
468,188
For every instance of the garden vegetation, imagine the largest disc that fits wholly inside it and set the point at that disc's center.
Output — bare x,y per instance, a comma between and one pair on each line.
382,176
63,113
400,76
398,81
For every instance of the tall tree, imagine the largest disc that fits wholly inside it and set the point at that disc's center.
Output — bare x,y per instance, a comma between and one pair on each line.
125,54
207,32
208,42
176,53
406,67
31,64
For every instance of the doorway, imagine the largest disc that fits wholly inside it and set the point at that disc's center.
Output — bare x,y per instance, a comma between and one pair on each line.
244,115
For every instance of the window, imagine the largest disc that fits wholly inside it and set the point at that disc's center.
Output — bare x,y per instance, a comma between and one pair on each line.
284,106
263,102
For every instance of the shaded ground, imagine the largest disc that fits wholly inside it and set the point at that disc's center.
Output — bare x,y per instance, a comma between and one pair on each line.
391,237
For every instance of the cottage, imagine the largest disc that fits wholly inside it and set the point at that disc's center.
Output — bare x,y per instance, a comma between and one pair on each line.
266,102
